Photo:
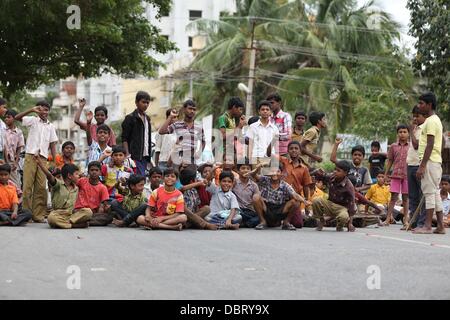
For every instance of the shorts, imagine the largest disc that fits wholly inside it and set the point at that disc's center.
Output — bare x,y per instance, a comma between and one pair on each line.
274,214
399,185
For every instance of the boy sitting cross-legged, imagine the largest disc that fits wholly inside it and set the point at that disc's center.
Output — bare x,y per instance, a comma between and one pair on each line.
166,206
93,196
192,201
134,202
64,195
224,205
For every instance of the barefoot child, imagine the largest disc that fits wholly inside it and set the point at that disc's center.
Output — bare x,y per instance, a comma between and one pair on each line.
99,150
115,170
341,199
64,195
10,214
93,196
379,193
13,144
166,206
246,191
192,201
399,182
224,205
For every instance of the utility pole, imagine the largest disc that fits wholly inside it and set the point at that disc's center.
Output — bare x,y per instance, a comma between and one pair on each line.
251,75
191,85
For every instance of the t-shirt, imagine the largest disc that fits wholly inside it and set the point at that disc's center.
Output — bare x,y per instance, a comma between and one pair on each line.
111,175
165,202
432,126
226,121
8,197
312,135
361,174
245,192
413,156
90,196
62,197
379,194
377,163
59,160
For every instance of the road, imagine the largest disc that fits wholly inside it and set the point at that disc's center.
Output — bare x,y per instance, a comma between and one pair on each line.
115,263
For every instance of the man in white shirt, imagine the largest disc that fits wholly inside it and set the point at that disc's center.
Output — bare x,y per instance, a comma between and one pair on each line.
2,125
262,135
164,145
41,137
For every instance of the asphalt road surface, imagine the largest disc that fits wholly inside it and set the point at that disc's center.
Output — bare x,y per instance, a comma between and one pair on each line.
111,263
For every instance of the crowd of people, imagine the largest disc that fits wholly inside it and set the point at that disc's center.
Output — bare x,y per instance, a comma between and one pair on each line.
263,172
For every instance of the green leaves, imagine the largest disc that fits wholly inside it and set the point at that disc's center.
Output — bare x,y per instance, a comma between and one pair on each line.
37,47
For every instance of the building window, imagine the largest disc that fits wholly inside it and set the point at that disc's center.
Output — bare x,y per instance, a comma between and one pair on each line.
195,14
190,42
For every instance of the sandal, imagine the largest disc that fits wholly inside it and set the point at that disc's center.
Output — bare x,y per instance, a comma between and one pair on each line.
288,226
261,226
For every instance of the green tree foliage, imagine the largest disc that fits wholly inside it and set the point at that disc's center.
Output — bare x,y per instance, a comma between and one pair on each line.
430,21
114,36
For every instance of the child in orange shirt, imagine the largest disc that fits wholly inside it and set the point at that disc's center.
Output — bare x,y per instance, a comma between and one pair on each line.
10,213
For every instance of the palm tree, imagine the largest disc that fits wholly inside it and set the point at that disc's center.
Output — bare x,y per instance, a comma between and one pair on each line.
319,54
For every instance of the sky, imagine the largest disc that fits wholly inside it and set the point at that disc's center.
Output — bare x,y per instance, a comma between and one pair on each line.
399,12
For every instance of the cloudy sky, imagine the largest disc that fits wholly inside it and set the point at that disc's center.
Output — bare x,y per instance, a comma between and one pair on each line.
398,10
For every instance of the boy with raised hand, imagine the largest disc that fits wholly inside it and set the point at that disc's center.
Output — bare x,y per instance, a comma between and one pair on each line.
278,201
115,170
165,208
64,195
13,144
397,155
10,214
246,191
100,115
93,196
41,137
99,150
134,201
311,138
341,198
361,173
195,214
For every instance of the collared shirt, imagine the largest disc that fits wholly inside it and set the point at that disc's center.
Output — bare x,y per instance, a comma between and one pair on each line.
2,128
165,144
412,158
379,194
312,135
281,195
192,199
12,140
95,152
63,198
296,176
188,137
40,135
297,135
283,121
220,200
341,193
361,174
244,193
262,136
131,202
397,154
433,127
226,121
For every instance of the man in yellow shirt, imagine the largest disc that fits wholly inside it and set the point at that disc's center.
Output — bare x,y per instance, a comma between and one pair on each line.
430,168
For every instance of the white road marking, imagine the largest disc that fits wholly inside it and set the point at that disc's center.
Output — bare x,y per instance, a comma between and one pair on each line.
405,240
98,269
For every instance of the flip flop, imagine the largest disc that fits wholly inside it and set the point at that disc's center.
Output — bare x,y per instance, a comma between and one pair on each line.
288,226
261,226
